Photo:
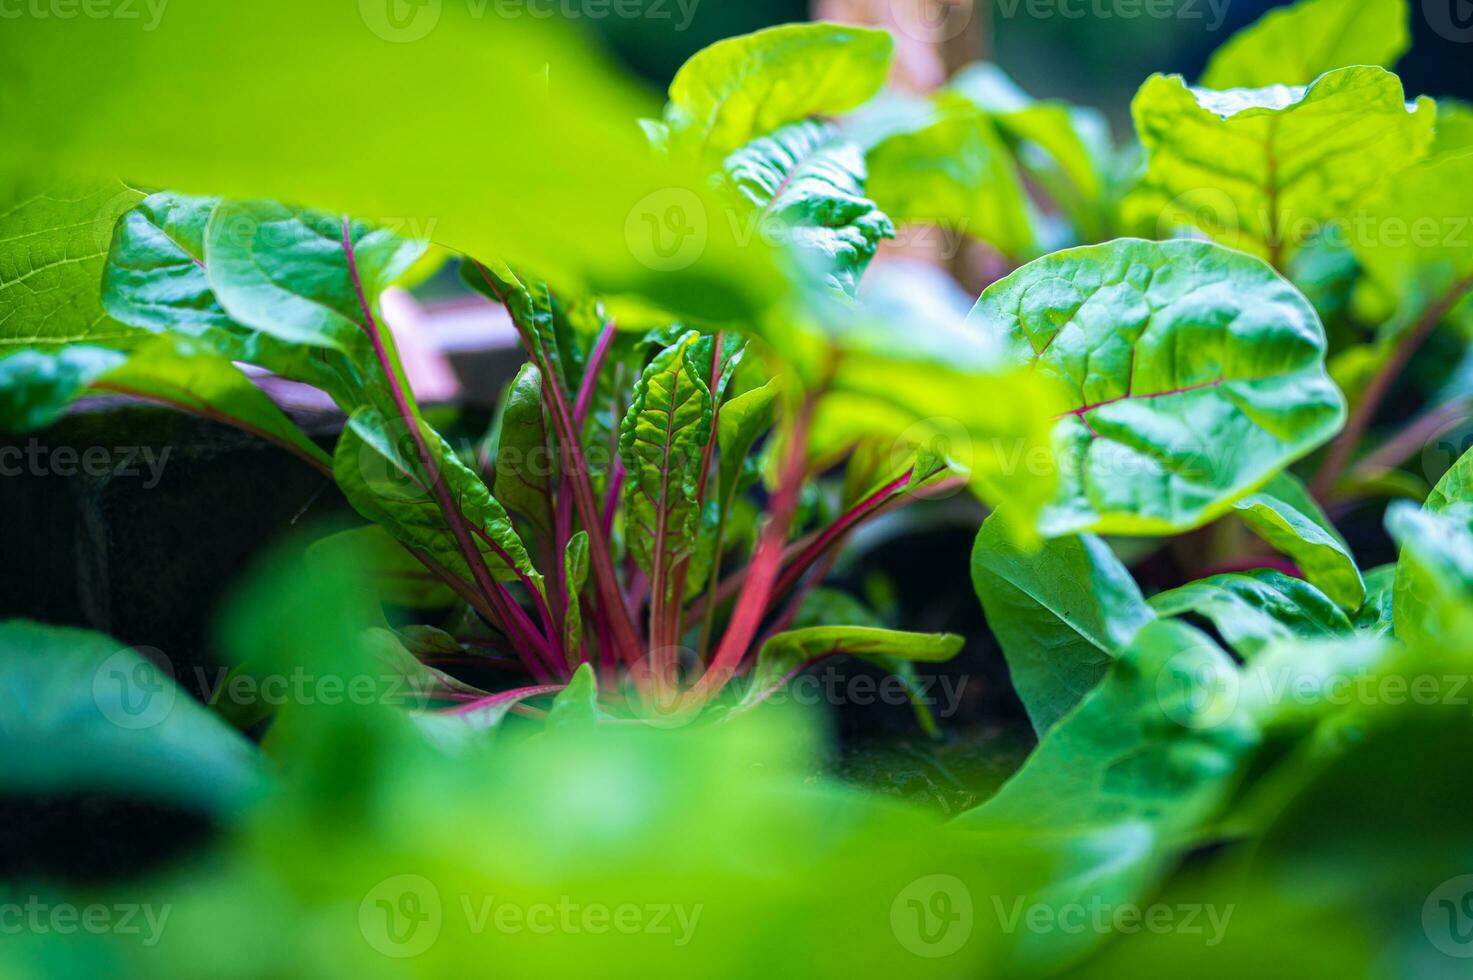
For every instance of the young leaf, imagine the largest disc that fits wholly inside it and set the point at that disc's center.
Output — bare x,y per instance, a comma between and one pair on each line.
526,457
53,241
1284,515
576,706
1299,156
744,87
1061,614
1296,44
949,166
1254,609
785,654
85,714
575,577
1194,374
661,440
743,420
1375,615
377,469
807,188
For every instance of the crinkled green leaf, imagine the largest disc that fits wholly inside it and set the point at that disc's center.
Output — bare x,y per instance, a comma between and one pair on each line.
1284,515
53,241
81,713
1193,373
526,456
949,166
805,185
1262,169
285,134
1061,613
661,441
785,654
377,467
1254,609
1296,44
1375,614
744,87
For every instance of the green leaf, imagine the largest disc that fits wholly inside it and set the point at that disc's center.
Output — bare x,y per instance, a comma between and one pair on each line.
1433,593
744,87
806,187
1193,375
743,420
284,271
283,134
526,458
1284,515
36,385
1262,169
785,654
576,706
1375,614
1255,609
575,576
661,441
1412,238
1296,44
397,576
82,713
1066,148
949,166
1061,613
377,467
53,241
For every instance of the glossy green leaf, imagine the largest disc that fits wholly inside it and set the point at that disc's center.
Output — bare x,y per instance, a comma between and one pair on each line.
747,86
81,713
36,385
284,135
377,467
1375,614
661,441
785,654
53,241
1061,612
949,166
1254,609
1284,515
805,186
526,455
743,420
576,706
1261,169
1194,374
1296,44
1433,592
